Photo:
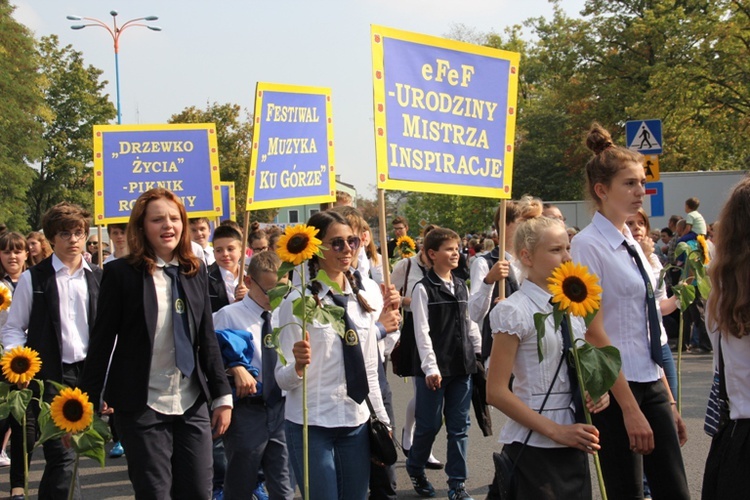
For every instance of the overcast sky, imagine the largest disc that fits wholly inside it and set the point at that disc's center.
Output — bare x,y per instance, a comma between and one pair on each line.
217,51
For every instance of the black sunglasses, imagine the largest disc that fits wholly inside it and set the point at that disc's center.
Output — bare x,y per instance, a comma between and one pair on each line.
337,244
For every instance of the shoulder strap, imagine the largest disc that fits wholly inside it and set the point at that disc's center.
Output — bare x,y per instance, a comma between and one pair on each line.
722,378
406,279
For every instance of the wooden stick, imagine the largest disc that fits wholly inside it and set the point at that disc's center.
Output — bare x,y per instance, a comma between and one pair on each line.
501,243
245,230
100,235
383,239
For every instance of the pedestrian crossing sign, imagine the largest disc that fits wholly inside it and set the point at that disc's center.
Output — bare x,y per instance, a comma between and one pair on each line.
644,136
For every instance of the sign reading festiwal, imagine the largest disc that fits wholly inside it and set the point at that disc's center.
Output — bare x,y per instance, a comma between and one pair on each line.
131,159
445,114
292,159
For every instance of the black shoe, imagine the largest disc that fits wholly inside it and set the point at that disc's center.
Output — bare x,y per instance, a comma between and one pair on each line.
405,450
422,486
434,465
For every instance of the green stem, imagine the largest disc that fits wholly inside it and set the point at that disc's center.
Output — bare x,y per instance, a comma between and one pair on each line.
582,388
679,365
25,459
73,479
305,429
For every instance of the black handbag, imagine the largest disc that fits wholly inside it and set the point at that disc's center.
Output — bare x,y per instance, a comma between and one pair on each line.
382,447
504,485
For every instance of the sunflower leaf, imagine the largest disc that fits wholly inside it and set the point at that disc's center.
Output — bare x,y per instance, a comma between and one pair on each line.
301,308
332,315
89,443
322,276
57,385
686,294
4,411
558,315
19,401
277,294
4,391
284,269
277,345
590,317
539,320
48,428
600,367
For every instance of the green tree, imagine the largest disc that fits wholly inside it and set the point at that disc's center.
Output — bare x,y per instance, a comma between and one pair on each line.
463,214
234,133
21,103
74,97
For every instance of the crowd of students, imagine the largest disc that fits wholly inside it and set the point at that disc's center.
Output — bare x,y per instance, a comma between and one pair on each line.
173,344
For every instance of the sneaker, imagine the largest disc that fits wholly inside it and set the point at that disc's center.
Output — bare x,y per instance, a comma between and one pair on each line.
458,492
4,459
422,486
117,451
433,464
260,492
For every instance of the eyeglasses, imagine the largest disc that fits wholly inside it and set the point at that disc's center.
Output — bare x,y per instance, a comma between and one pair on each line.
337,244
66,235
93,243
259,249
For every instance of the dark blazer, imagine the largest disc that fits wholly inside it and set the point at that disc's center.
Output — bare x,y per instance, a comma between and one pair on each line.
128,313
44,332
216,289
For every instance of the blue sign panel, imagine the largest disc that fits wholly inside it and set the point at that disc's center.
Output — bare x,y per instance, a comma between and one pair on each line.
644,136
656,191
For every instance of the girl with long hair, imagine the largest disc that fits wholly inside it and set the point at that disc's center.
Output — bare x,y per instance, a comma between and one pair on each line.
154,323
641,429
39,248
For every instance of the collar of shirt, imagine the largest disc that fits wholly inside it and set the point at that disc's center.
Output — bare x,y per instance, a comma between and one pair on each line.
324,288
252,306
613,235
227,275
58,265
539,296
161,263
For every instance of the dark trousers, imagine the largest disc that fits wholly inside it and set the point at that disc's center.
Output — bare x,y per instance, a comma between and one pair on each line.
169,456
16,444
59,460
622,468
728,462
383,479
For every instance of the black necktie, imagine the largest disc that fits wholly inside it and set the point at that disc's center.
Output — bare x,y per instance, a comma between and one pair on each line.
271,391
572,375
653,316
354,362
183,347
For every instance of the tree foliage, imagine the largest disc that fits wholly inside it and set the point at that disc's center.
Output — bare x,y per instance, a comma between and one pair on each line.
74,97
21,103
234,133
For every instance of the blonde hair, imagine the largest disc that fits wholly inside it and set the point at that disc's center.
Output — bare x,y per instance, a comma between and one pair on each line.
530,231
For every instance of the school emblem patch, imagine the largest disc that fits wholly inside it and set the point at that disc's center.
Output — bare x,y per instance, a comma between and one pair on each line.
351,338
179,306
268,341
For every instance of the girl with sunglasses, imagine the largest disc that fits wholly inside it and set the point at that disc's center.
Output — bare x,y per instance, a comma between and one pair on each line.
339,451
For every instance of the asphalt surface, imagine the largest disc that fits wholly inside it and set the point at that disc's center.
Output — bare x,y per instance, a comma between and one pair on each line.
111,482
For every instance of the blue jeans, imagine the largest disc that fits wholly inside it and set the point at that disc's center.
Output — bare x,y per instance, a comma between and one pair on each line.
454,400
669,369
339,460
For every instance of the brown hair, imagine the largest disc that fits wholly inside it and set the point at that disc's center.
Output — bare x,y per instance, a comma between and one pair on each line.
371,250
263,262
399,220
12,241
121,225
256,233
607,161
141,252
46,247
512,213
729,301
64,217
435,238
693,203
354,216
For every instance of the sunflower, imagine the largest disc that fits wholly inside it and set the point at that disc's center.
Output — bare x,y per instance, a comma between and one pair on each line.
574,289
297,244
406,246
20,364
5,297
71,410
704,249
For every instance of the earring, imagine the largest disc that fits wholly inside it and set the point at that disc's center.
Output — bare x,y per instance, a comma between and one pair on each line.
605,197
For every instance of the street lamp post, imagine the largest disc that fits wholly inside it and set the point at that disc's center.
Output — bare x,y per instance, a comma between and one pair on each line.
115,33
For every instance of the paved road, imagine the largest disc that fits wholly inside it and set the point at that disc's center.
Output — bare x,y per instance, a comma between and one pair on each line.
112,482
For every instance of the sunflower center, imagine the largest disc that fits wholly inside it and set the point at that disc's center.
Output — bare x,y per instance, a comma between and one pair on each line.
72,410
575,289
2,300
20,365
297,243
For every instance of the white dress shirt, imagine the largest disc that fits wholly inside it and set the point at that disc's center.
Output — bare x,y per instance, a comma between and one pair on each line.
170,393
73,293
327,400
481,292
420,310
623,307
736,354
515,316
230,283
